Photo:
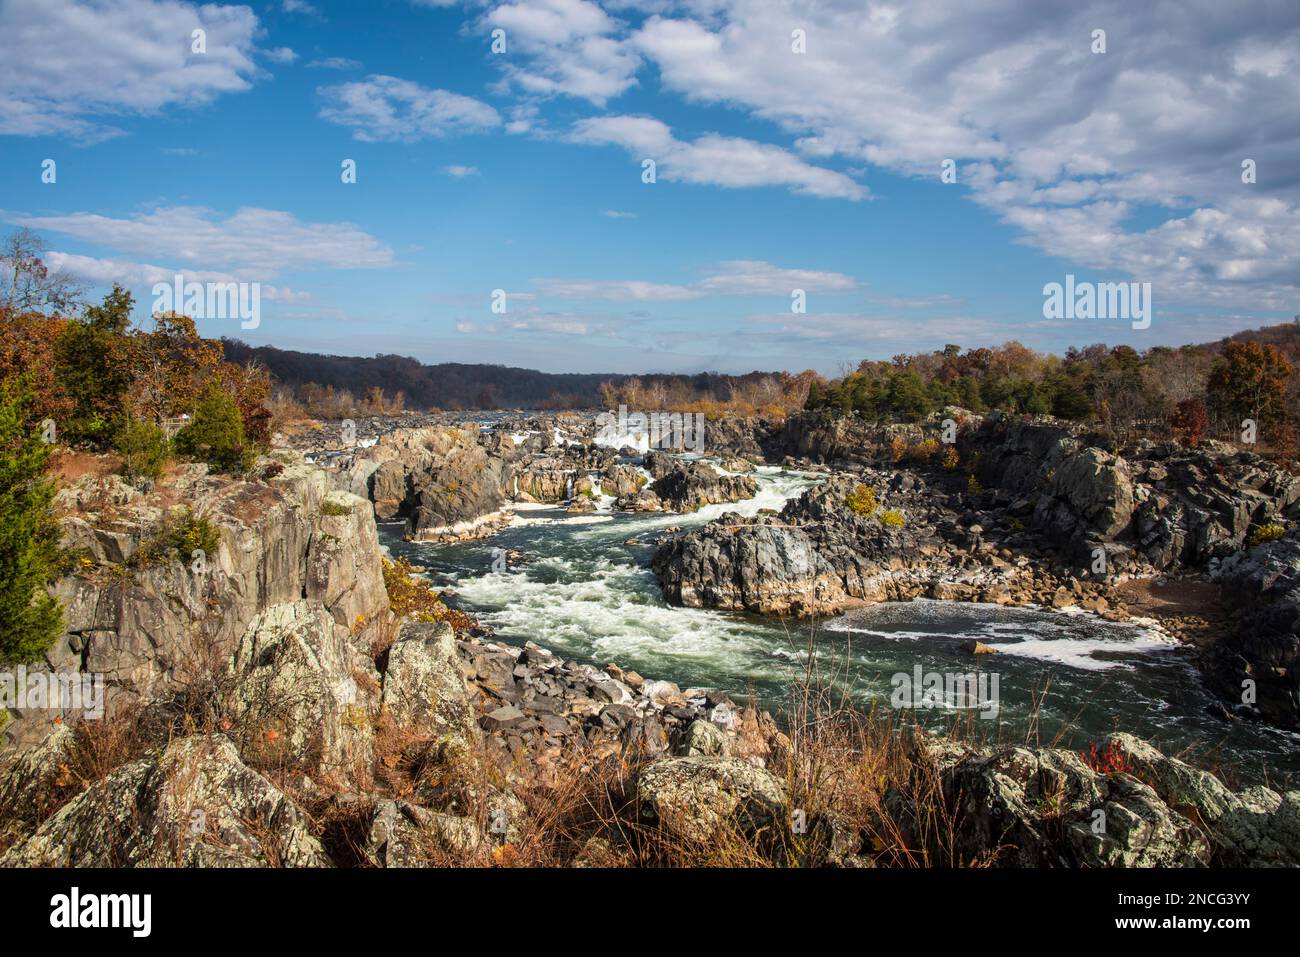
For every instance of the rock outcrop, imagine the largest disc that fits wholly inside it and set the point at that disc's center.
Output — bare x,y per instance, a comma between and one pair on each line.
1262,586
195,805
303,688
440,480
151,620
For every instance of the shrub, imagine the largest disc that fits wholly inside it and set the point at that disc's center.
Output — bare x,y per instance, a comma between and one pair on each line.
330,507
893,518
973,484
191,532
1265,533
216,434
897,448
409,594
924,451
144,449
951,460
30,619
863,500
178,536
1109,760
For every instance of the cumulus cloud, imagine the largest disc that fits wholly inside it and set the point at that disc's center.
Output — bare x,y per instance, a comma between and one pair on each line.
252,243
715,160
1067,145
388,109
564,47
71,66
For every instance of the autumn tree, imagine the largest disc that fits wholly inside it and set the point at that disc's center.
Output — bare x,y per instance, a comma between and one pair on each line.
171,366
1250,381
27,284
1190,421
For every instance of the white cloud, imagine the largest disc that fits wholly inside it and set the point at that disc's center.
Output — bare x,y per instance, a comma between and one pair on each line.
299,6
618,214
105,272
281,55
1063,144
564,47
335,63
733,278
253,244
70,65
385,108
460,172
715,160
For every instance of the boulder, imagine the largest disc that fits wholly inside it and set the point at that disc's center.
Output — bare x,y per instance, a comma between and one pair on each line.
297,692
694,798
424,687
195,805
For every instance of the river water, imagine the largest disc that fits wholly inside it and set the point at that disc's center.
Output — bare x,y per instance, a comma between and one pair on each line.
1070,678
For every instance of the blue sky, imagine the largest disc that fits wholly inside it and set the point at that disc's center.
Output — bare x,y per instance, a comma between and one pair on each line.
777,171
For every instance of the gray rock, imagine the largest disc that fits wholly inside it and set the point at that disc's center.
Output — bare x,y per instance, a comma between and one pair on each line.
196,805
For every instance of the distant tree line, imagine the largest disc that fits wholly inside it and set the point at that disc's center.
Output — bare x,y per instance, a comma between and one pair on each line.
1196,390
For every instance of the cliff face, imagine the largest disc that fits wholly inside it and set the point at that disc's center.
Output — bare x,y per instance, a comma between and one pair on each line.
149,621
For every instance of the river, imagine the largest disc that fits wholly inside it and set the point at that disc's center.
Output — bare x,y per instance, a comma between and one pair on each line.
1069,678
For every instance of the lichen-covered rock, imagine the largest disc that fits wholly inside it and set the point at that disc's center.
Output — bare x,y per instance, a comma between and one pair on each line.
1255,827
407,835
196,805
703,739
31,781
1033,808
304,690
694,798
424,687
149,627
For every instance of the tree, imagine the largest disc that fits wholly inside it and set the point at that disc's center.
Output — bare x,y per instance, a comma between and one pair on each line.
27,284
172,365
93,358
1250,381
30,619
216,434
144,448
1190,421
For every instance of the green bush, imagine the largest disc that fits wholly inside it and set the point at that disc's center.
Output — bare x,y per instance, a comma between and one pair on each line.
216,433
178,536
30,620
329,507
144,448
189,532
